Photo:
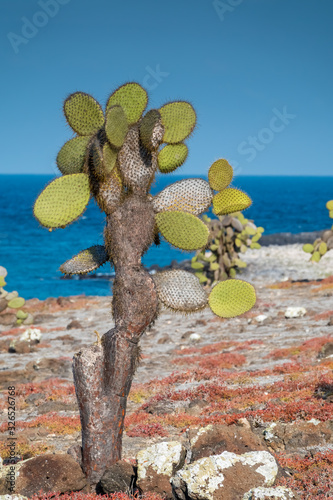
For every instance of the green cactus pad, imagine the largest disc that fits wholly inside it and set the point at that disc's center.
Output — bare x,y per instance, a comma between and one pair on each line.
16,303
255,246
256,237
329,205
103,159
188,195
202,278
232,273
322,248
116,126
2,281
316,257
330,214
180,291
151,130
62,201
231,298
178,120
109,158
83,113
86,261
171,157
71,156
132,98
230,200
182,230
220,175
22,315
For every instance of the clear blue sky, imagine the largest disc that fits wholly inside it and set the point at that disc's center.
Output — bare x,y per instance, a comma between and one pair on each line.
258,72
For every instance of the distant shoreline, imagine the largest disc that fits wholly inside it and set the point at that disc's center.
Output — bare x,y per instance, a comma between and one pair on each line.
279,239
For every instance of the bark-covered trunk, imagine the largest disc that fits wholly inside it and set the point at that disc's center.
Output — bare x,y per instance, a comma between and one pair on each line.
103,372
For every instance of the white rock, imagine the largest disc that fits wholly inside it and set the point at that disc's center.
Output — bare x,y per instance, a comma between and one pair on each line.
194,338
164,458
262,493
314,421
13,497
204,476
295,312
31,334
261,318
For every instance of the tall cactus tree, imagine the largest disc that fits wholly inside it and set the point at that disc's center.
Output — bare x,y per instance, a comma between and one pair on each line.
114,158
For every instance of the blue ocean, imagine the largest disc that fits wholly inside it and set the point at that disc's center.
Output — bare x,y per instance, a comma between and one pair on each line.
32,254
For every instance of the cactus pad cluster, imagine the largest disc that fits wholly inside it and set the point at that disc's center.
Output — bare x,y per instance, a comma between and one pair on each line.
229,237
114,158
12,302
321,245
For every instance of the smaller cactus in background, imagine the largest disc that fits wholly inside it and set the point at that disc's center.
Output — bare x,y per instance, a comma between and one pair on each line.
321,245
12,301
229,236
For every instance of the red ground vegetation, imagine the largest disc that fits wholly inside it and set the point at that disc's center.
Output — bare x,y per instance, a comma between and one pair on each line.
93,496
308,349
311,476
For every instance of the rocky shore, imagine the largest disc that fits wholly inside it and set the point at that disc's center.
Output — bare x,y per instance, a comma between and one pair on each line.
260,383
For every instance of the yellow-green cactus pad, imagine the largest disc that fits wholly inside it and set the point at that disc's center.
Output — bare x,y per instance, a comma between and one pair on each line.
83,113
182,230
132,98
180,291
22,315
329,205
16,303
188,195
178,120
86,261
171,157
230,200
330,214
109,158
103,159
151,130
231,298
71,156
220,175
322,248
116,126
2,281
62,201
316,257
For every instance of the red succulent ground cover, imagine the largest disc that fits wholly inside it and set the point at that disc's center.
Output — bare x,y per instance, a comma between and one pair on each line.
290,391
308,349
94,496
311,476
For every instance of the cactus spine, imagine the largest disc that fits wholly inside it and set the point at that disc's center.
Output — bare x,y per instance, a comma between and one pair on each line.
116,163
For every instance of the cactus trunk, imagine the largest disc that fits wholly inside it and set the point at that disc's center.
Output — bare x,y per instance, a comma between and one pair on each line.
103,372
